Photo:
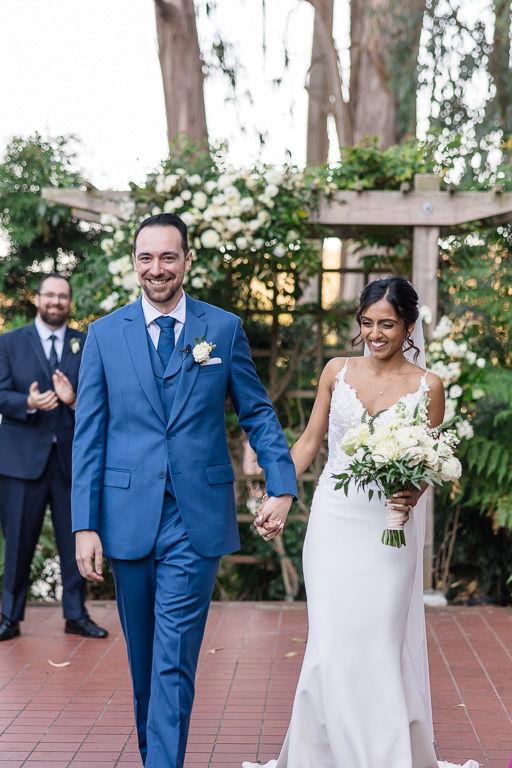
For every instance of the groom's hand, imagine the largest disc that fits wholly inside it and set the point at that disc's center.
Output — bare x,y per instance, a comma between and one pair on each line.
89,555
272,515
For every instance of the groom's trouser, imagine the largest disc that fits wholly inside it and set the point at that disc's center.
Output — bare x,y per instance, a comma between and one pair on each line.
163,603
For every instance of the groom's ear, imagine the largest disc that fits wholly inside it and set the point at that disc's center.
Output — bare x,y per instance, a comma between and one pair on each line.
188,261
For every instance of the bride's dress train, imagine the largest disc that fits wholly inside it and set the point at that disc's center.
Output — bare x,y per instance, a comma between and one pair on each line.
362,699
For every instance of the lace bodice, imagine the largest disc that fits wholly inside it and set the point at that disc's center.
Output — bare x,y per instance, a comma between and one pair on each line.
346,411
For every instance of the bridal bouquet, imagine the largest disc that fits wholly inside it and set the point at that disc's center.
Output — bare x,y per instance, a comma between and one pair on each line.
395,452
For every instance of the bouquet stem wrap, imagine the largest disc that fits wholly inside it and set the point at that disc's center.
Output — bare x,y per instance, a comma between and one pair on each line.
393,533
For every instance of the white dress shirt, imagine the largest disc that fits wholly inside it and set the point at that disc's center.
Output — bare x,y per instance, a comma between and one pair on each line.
151,313
45,333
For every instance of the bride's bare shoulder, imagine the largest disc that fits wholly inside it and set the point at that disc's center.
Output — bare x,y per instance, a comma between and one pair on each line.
435,383
332,368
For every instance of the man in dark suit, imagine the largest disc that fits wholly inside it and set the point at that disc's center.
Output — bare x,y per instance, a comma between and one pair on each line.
39,366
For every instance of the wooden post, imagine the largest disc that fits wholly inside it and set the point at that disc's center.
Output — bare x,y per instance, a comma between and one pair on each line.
425,249
425,263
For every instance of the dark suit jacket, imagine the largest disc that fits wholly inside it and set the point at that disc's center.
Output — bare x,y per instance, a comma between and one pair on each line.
26,439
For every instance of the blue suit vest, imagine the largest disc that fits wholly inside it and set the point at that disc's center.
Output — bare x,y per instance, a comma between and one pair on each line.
167,387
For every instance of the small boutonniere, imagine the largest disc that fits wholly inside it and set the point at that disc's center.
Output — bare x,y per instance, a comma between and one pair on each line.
202,350
74,343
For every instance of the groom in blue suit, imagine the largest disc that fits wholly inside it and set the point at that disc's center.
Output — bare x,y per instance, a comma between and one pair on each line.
153,482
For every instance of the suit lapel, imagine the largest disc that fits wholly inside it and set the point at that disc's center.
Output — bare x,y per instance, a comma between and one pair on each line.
195,328
137,339
35,340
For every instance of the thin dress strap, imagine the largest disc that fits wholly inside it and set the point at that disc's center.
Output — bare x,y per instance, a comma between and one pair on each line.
342,371
424,387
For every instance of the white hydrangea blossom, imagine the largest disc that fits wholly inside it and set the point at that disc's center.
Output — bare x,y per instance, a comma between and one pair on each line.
110,303
443,328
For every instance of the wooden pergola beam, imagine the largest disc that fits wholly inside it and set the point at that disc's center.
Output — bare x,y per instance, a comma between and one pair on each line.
345,213
88,204
412,209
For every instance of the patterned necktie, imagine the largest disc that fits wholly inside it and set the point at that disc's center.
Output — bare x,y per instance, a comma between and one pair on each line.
166,338
54,360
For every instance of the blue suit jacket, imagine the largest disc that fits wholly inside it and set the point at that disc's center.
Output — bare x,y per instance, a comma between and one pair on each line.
123,443
26,439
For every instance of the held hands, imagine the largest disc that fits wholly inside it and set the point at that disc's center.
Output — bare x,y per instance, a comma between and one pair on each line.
89,555
271,516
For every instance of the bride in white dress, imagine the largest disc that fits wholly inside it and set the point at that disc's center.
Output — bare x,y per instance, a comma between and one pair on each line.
362,699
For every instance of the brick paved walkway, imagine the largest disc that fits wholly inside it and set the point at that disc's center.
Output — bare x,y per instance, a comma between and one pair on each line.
80,715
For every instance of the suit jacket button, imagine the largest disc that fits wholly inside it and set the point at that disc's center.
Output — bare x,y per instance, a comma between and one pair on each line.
166,384
161,474
168,437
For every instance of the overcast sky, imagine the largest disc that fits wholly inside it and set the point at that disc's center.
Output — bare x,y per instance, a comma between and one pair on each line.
91,68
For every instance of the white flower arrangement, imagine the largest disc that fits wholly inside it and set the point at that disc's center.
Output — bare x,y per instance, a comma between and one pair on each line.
396,453
110,302
450,356
202,350
228,212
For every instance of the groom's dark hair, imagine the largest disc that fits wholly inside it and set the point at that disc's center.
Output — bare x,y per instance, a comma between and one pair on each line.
165,220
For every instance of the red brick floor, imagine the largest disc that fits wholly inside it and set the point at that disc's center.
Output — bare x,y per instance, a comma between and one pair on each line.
81,714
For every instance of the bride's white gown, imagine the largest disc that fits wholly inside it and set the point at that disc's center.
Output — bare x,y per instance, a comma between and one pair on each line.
362,699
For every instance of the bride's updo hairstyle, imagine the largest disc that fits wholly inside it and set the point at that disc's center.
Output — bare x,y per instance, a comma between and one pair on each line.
402,297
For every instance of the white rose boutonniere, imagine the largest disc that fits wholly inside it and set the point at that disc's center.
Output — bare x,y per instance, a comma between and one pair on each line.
74,343
202,350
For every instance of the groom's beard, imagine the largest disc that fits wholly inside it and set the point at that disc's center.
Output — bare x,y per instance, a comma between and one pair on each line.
161,294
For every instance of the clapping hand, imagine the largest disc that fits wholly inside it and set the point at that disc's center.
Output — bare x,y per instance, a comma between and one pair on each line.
63,388
41,401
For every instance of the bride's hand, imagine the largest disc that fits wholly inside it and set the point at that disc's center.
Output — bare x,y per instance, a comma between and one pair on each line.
404,501
271,516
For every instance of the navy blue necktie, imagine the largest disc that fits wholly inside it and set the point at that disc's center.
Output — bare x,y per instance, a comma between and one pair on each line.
166,339
54,360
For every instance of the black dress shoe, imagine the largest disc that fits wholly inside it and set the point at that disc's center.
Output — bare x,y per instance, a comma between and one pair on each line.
85,627
8,629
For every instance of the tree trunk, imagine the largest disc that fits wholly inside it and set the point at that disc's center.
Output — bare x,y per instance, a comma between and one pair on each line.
499,66
372,104
182,73
317,87
326,47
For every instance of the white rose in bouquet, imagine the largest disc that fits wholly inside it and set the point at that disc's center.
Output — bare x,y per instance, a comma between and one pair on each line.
451,469
406,438
431,458
354,438
385,451
414,455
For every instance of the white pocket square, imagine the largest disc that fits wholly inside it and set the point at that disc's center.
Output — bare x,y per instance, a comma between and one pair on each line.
213,361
